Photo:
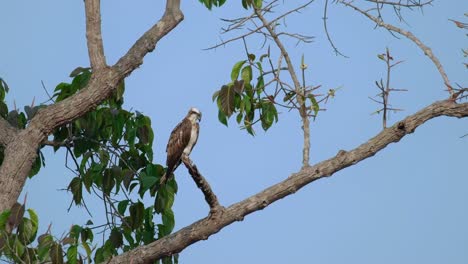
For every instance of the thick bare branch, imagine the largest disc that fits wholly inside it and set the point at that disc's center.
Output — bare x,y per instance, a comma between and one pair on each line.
146,43
205,227
21,152
7,132
93,34
202,184
427,51
300,91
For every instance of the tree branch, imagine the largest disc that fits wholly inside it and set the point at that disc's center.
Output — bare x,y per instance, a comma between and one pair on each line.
427,51
205,227
300,91
7,132
146,43
203,185
21,152
93,34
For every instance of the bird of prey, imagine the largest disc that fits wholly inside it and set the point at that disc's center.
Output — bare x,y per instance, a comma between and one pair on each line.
181,142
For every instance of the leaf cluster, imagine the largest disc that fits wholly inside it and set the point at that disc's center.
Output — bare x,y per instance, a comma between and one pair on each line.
19,241
244,95
110,152
245,3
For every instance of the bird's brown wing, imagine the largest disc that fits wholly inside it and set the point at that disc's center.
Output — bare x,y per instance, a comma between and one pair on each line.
178,140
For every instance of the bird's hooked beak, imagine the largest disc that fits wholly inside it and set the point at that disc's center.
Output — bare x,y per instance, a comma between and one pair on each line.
199,117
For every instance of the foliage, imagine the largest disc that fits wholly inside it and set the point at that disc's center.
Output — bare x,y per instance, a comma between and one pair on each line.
111,153
20,120
245,3
245,96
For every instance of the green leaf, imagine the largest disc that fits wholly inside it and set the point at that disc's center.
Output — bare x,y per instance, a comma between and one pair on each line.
26,231
222,118
45,243
34,221
116,238
147,181
4,86
258,3
136,214
76,188
86,234
78,70
4,216
72,254
108,181
122,206
36,166
246,74
75,232
168,219
215,95
236,69
315,106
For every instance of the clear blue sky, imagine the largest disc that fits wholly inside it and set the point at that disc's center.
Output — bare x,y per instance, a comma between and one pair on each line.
407,204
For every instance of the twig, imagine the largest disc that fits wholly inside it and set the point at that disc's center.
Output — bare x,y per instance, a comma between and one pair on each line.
258,29
335,49
298,88
408,3
427,51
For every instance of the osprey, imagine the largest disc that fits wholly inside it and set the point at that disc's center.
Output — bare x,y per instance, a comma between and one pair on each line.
181,142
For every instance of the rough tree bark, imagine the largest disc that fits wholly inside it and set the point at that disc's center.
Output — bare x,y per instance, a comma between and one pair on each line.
21,146
205,227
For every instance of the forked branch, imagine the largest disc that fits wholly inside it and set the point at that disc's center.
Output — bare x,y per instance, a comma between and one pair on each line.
427,51
21,152
208,226
94,35
300,91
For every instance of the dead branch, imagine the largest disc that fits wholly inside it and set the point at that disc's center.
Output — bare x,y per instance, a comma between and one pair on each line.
427,51
203,185
206,227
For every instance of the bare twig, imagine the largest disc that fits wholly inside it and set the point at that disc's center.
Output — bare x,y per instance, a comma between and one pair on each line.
259,28
325,18
298,88
427,51
399,3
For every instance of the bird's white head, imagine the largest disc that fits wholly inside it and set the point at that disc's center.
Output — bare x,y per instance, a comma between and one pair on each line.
194,114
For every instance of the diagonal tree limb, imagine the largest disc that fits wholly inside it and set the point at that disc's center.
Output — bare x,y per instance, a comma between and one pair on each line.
206,227
93,34
146,43
21,152
203,185
427,51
